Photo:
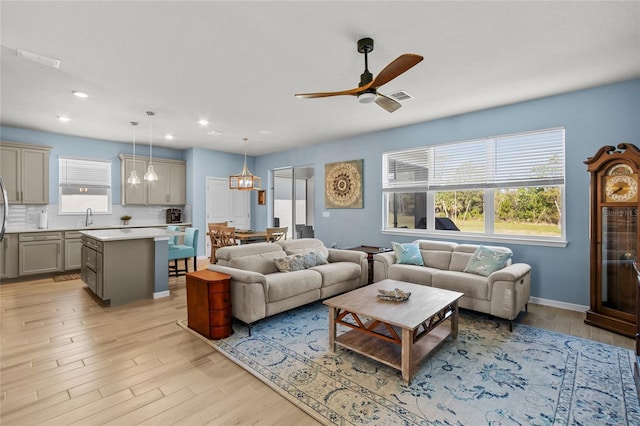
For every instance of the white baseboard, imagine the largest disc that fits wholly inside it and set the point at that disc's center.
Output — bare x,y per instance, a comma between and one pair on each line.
161,294
557,304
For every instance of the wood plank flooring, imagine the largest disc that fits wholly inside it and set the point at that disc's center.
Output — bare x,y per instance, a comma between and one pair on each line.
67,359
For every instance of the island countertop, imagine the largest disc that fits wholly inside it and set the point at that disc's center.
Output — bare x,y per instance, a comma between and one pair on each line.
130,234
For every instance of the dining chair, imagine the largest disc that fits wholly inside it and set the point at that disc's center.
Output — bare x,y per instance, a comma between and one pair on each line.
184,251
173,240
276,234
211,239
221,236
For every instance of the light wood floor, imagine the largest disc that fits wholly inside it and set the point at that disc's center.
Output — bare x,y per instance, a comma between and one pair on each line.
67,359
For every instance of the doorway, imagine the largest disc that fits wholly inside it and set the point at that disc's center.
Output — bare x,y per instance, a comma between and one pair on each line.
224,204
293,200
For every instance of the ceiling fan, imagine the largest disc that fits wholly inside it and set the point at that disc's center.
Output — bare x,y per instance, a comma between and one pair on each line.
367,90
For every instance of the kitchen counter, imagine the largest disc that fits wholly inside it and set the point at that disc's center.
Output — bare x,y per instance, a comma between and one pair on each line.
130,234
91,228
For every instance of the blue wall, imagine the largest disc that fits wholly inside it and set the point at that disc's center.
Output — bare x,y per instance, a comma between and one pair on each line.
605,115
73,146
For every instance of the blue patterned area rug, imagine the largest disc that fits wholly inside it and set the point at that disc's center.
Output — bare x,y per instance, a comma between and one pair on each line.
487,375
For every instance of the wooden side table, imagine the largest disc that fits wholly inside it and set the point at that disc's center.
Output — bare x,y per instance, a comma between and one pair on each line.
371,251
209,303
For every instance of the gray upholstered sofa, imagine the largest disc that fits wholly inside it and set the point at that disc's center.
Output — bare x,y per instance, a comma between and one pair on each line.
259,289
503,293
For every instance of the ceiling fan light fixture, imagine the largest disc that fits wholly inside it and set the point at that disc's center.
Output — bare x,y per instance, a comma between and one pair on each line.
367,97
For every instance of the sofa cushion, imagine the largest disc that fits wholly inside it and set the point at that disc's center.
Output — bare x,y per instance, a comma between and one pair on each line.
303,245
475,286
262,263
337,272
411,273
486,260
407,254
225,254
282,285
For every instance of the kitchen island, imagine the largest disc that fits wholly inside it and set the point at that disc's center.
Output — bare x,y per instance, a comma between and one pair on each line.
125,265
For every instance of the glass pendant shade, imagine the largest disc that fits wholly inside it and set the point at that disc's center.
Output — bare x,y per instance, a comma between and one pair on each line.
133,178
245,180
151,175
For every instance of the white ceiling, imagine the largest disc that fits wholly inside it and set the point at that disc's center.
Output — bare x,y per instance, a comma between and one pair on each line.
239,64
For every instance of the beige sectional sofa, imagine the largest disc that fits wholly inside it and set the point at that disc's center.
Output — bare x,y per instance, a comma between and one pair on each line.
503,293
259,289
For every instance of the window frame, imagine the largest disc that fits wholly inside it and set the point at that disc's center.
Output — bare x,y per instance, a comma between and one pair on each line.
489,234
96,186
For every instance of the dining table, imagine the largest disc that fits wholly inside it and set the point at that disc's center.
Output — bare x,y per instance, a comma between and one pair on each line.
247,236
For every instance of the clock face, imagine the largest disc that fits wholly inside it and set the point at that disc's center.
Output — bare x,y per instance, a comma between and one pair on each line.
621,188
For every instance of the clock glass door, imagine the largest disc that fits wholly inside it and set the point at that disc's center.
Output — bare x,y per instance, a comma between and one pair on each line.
619,251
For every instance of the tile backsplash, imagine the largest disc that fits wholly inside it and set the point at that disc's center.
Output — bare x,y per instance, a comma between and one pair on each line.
28,216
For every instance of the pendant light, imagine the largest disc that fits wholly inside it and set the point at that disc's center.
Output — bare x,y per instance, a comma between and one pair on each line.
134,179
151,174
245,180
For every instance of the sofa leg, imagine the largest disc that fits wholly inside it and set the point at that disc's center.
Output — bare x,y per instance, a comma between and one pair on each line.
526,307
510,326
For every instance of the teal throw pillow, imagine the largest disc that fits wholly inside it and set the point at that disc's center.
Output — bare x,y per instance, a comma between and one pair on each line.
408,254
486,260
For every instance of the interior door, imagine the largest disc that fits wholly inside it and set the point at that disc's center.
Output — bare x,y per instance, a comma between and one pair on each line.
224,204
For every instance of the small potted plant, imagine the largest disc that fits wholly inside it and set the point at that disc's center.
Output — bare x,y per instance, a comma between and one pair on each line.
125,219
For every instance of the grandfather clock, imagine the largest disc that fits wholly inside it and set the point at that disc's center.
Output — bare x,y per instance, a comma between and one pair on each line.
614,238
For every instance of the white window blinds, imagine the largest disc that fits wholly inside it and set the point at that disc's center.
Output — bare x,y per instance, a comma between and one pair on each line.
524,159
75,172
405,168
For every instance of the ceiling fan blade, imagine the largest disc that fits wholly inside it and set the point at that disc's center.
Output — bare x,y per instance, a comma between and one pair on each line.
387,103
353,92
401,64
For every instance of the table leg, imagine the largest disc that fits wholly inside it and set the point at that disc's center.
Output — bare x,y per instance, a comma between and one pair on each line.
407,343
454,320
332,329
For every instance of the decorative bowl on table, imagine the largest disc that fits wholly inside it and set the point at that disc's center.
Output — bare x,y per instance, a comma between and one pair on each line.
395,295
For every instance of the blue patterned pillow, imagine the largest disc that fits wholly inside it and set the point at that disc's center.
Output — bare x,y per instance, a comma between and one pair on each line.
290,263
408,254
313,258
486,260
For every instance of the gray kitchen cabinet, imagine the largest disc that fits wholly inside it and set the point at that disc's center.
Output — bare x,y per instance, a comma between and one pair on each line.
169,190
25,170
133,194
9,256
119,271
39,252
72,250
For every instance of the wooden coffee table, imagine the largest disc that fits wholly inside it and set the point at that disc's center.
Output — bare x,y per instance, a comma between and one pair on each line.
398,334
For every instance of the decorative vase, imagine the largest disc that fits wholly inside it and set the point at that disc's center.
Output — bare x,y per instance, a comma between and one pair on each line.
126,222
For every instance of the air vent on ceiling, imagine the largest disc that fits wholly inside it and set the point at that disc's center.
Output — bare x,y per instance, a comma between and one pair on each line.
400,95
36,57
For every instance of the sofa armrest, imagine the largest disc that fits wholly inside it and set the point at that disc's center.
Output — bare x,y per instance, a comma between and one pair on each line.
512,272
510,289
341,255
241,275
381,263
359,257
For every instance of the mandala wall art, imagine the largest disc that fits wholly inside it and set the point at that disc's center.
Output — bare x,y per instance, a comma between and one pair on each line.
343,185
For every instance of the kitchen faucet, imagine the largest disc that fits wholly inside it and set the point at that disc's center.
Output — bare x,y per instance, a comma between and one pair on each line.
88,220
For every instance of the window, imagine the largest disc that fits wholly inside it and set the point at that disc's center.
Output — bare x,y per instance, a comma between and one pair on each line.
84,184
501,186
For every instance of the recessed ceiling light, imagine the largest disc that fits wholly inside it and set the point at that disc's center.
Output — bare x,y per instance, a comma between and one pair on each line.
214,133
168,137
63,118
265,132
79,94
203,122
